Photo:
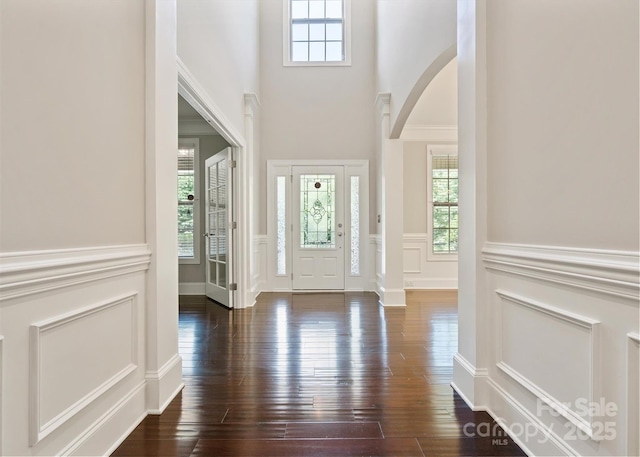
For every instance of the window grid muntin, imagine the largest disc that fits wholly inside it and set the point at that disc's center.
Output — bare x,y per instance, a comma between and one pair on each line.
444,175
308,21
187,157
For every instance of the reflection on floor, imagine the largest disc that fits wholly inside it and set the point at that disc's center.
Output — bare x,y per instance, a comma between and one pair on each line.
330,374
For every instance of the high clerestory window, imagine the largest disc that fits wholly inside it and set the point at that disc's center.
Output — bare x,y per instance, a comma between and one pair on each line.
317,32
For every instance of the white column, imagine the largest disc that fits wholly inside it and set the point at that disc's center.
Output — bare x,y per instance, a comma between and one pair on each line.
390,209
470,373
164,365
248,205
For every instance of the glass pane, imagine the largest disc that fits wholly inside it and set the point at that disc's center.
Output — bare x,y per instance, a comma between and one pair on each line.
300,32
213,199
334,9
316,52
355,225
334,32
213,221
222,235
281,217
441,190
454,217
185,186
441,240
317,211
316,32
316,9
441,217
213,177
334,51
453,190
453,240
222,183
299,9
213,247
300,52
213,273
222,275
185,231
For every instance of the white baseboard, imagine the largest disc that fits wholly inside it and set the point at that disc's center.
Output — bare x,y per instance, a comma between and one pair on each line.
392,297
99,437
163,385
525,429
191,288
470,383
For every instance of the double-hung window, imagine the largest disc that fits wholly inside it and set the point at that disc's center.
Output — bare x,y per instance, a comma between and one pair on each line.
443,201
188,207
317,32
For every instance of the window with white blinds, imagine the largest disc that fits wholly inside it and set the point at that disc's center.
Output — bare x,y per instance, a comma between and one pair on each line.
443,189
188,208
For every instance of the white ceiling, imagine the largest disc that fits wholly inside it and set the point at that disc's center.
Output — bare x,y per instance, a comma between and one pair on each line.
190,121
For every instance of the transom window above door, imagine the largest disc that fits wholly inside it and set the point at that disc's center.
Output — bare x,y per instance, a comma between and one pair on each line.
316,32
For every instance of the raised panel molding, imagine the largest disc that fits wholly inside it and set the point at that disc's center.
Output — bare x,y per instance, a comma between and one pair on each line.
615,273
27,273
582,324
60,334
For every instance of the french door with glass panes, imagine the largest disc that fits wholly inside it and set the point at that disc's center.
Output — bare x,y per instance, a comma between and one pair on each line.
219,227
318,228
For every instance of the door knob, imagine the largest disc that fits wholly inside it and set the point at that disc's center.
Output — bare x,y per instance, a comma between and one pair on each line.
339,233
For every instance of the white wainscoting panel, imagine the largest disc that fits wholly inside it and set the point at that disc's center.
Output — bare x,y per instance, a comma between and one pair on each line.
73,355
99,344
633,394
421,273
560,327
376,253
540,343
260,273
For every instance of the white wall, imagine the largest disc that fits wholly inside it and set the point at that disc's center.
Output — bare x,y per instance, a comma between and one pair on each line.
90,119
563,123
552,314
415,40
316,112
218,43
74,257
438,104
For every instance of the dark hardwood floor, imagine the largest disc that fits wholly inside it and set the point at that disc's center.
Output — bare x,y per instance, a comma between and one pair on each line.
318,375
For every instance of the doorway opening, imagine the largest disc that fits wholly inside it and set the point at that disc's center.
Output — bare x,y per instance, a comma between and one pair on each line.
206,202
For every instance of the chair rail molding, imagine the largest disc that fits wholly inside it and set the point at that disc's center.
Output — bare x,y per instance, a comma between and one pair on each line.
614,273
31,272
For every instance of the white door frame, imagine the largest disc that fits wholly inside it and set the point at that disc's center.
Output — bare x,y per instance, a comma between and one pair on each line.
191,90
357,280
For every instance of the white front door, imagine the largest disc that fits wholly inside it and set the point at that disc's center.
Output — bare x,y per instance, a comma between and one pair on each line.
318,227
219,227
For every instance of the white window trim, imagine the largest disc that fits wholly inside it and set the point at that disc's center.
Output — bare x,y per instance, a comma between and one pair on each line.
195,143
436,150
286,40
